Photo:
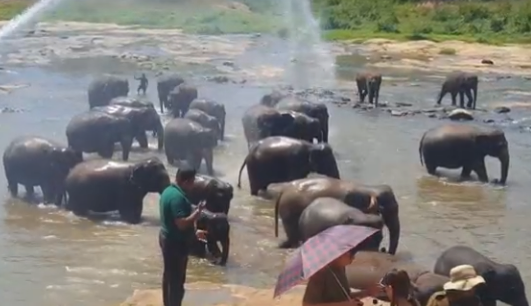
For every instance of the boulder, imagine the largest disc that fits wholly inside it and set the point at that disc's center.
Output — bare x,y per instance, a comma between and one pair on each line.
460,114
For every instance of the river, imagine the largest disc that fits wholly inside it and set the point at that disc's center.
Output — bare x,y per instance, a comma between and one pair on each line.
49,257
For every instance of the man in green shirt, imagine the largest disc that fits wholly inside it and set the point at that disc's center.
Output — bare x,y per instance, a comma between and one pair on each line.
177,228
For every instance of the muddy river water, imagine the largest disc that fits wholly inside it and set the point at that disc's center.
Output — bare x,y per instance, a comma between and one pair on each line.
51,258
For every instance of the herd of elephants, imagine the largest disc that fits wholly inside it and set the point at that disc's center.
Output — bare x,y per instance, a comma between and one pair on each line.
287,139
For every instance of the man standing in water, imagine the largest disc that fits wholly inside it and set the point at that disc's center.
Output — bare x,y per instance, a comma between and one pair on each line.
143,84
178,226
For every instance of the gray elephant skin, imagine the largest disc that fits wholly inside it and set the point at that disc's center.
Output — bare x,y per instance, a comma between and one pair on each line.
103,89
217,193
180,99
272,99
323,213
283,159
131,102
142,119
105,185
503,281
464,146
204,119
369,84
96,132
36,161
318,111
187,140
304,127
368,268
214,109
371,199
218,230
165,84
463,84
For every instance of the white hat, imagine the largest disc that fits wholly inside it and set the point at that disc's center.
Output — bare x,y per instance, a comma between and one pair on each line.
463,278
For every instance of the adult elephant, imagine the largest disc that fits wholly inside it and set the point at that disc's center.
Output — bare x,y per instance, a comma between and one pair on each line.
205,120
260,122
214,109
96,132
315,110
463,84
165,84
305,127
370,267
272,99
323,213
369,84
218,231
180,99
283,159
464,146
131,102
103,89
372,199
37,161
142,119
503,281
217,193
185,139
105,185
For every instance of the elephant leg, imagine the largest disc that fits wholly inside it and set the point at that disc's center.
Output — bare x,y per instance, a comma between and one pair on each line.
131,211
30,191
170,159
461,99
48,193
254,181
12,186
469,98
371,96
465,173
454,97
222,124
361,93
107,150
213,248
377,96
481,171
127,143
208,155
142,139
291,227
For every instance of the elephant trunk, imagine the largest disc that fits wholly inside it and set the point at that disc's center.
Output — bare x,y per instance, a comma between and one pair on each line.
504,160
331,169
159,129
392,221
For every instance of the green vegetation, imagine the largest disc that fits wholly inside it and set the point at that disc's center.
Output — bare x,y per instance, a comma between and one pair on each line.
10,8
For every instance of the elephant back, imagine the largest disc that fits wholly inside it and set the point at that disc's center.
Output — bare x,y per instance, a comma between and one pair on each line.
95,123
103,89
131,102
210,107
169,81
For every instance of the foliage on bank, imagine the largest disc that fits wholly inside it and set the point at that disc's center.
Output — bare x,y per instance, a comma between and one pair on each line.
11,8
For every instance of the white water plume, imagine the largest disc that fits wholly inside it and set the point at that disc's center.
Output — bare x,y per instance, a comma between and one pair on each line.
26,16
311,62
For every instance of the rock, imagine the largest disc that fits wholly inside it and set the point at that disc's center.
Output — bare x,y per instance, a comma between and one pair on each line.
502,110
219,79
460,114
403,104
385,57
487,62
228,63
396,113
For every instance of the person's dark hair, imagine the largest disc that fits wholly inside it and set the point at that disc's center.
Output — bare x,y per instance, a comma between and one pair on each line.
402,286
185,173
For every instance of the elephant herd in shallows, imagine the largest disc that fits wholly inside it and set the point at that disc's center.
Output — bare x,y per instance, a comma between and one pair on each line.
287,140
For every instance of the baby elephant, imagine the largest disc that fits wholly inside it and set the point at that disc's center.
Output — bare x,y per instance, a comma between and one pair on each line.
463,84
369,84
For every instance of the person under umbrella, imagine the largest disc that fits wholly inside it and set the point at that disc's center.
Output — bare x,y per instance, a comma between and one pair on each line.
322,260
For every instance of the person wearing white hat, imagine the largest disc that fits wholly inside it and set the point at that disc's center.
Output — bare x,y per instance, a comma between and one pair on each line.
460,290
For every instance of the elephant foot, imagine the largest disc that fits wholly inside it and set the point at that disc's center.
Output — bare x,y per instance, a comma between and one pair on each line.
287,244
13,189
80,213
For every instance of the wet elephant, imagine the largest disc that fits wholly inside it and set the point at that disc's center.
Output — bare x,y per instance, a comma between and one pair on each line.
283,159
214,109
272,99
217,193
97,132
204,119
180,99
102,185
463,84
315,110
165,84
103,89
37,161
185,139
373,199
464,146
304,127
368,268
218,231
503,281
131,102
369,84
323,213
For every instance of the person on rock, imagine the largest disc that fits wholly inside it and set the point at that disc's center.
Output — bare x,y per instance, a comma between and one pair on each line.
143,84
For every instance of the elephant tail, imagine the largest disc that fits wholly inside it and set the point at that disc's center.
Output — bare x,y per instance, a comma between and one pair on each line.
420,149
277,203
240,173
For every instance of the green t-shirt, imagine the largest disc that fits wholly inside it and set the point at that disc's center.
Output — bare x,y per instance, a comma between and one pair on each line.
173,204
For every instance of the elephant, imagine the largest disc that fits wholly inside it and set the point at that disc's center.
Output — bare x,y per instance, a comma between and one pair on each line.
165,84
304,127
103,89
282,159
369,267
142,119
102,185
369,84
272,99
180,99
204,119
463,84
218,230
503,281
371,199
131,102
315,110
37,161
464,146
214,109
96,132
323,213
217,193
185,139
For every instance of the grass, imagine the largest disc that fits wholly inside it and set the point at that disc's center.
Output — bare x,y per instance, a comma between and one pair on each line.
11,8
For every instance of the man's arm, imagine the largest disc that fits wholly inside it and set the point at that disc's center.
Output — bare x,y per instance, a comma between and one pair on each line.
182,220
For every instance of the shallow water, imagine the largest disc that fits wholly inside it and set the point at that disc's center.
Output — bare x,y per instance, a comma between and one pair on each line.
50,257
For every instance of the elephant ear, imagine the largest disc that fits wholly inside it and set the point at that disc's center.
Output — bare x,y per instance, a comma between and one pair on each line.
286,120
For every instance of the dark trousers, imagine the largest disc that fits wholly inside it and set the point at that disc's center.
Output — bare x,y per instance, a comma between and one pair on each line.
175,257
